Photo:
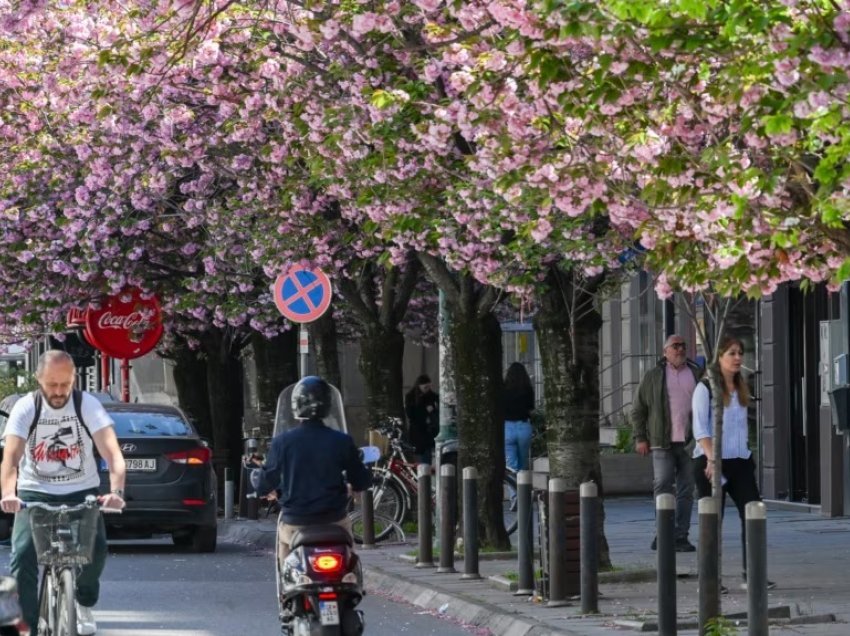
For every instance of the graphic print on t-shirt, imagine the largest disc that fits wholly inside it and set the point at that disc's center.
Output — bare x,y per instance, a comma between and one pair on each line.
56,449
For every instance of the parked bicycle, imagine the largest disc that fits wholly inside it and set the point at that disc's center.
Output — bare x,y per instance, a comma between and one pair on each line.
64,538
396,487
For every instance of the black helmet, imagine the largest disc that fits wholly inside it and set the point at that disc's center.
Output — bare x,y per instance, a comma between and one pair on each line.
311,398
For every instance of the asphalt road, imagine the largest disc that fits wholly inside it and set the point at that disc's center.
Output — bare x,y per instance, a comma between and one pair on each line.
151,587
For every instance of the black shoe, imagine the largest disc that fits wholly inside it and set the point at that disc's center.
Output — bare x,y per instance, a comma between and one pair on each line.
654,545
683,545
724,589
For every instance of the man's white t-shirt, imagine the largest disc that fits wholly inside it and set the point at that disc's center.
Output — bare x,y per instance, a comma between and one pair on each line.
59,456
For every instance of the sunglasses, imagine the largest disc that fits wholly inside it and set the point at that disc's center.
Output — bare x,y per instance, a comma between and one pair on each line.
679,345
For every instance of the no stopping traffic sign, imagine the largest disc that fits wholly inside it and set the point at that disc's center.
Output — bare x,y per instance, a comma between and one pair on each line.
302,294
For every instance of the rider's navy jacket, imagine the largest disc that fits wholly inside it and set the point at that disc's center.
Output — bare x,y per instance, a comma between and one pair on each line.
306,465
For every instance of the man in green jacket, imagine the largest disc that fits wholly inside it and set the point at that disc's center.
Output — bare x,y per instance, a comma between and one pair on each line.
661,420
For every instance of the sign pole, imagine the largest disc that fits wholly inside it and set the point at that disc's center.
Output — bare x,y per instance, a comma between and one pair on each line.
304,349
125,380
104,372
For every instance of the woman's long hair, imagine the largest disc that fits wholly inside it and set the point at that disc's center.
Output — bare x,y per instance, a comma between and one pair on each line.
726,343
516,378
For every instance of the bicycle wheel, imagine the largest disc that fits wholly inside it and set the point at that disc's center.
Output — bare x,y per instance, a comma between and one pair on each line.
509,502
66,607
390,509
46,621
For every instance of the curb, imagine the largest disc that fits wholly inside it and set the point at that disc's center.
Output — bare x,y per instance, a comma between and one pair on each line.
458,607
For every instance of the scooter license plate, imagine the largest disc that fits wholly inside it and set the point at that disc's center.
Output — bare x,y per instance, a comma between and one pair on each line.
329,612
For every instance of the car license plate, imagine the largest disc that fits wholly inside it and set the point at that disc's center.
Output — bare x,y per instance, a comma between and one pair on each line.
144,464
329,612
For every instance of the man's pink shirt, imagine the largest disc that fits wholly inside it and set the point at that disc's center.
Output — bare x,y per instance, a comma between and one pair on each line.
680,388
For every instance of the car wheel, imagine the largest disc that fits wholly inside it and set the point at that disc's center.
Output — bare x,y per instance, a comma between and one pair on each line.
204,538
5,528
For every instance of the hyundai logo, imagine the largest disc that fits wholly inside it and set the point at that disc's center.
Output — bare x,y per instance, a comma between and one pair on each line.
128,448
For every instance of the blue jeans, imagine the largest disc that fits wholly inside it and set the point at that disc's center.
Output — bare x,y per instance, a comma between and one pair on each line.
517,443
674,474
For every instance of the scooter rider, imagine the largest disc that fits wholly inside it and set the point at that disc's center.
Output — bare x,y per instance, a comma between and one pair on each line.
306,464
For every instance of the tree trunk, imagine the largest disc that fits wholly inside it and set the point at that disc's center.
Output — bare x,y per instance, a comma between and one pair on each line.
568,337
324,342
380,363
190,372
224,383
477,341
270,365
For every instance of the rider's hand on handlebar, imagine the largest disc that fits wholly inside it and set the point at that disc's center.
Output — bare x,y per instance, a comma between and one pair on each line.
111,501
10,503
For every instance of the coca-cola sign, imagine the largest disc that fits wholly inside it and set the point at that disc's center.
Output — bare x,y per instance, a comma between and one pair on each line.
126,326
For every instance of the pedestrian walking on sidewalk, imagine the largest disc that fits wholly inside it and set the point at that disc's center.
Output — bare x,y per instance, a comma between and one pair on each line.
661,422
739,469
422,407
517,405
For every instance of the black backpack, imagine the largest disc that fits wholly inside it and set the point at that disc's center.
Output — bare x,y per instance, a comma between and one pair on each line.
76,396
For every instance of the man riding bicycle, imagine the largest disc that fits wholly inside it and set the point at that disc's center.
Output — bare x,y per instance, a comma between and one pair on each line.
307,463
49,457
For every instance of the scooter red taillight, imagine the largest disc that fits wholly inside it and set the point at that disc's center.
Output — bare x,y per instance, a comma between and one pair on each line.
327,563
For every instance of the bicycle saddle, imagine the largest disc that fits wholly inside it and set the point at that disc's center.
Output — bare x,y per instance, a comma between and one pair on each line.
320,535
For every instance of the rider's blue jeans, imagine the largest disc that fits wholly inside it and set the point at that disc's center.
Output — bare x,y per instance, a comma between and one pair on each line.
24,565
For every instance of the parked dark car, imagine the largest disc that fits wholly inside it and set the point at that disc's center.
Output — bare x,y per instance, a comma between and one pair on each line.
171,484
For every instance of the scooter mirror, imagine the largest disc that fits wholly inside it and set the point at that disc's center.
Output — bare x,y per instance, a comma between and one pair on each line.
255,477
370,454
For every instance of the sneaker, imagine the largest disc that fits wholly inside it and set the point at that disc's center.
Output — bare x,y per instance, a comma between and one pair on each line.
85,621
654,545
770,584
724,589
683,545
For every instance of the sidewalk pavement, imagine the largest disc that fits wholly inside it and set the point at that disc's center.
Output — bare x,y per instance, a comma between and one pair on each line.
808,557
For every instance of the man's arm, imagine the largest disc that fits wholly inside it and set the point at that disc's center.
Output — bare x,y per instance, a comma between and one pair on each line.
356,472
107,446
12,453
271,470
640,412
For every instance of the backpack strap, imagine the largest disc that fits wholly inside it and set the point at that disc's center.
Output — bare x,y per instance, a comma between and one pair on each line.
76,396
36,399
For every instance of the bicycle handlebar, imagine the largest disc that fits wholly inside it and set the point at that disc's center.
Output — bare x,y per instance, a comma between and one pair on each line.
90,502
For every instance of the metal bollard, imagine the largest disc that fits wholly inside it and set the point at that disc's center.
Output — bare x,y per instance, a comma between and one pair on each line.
470,525
557,543
426,547
228,493
367,517
665,531
448,498
589,516
525,539
756,520
707,557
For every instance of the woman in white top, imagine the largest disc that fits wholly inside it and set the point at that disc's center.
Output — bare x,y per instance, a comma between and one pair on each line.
738,466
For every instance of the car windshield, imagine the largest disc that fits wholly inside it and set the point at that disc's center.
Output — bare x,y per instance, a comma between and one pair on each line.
135,423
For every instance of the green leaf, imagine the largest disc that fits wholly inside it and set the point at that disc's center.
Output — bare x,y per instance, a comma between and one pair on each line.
843,272
778,124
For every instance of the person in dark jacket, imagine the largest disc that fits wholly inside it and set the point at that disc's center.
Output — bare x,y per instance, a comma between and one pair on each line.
311,466
517,405
422,407
661,420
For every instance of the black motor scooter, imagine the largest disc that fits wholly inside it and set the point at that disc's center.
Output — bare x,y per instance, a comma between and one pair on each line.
320,582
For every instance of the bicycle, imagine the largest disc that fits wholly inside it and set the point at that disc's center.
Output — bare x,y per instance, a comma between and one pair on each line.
64,537
396,487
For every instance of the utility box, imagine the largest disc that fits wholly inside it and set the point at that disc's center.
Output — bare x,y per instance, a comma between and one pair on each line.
839,399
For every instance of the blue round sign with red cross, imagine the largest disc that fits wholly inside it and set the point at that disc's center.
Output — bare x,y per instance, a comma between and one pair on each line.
302,294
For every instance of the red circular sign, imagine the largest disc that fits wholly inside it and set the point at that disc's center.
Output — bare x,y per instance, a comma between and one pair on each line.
126,326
